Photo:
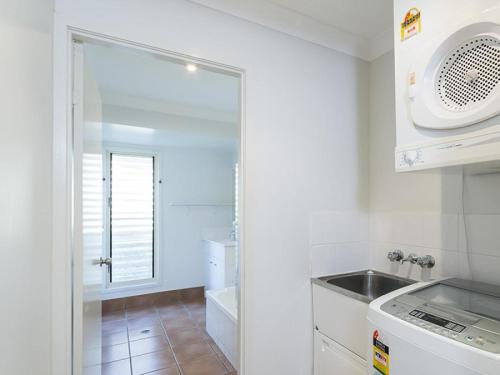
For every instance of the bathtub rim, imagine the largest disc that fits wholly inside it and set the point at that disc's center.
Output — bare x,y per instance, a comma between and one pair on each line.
212,296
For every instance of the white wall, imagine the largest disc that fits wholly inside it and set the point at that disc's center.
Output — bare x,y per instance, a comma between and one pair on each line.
421,212
25,190
190,175
305,152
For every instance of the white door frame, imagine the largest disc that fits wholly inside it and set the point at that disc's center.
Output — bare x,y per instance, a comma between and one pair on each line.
62,256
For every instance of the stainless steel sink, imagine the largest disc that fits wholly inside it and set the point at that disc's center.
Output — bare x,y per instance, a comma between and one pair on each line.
364,285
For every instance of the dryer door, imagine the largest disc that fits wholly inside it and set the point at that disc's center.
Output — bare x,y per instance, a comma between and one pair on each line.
457,83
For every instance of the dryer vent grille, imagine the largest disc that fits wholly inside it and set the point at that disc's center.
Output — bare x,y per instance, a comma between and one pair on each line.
469,74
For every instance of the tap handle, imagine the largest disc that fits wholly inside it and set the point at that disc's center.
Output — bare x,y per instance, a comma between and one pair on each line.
426,261
395,256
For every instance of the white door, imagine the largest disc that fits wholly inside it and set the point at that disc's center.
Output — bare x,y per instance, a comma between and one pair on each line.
331,358
88,240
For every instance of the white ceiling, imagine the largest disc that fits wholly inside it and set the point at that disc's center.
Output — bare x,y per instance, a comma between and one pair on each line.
127,72
360,28
366,18
148,100
159,138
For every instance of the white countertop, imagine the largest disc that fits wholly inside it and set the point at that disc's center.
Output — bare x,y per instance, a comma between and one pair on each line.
226,242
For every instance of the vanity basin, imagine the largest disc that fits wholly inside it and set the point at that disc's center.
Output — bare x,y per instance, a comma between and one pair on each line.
365,285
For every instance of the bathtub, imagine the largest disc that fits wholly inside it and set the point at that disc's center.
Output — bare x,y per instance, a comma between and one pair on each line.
222,321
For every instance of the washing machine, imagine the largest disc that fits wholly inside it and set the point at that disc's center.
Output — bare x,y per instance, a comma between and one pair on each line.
447,76
445,327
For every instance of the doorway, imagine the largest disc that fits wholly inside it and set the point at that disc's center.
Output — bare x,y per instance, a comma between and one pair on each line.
157,176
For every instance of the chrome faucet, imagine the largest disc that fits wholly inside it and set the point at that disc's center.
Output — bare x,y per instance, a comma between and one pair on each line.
427,261
395,256
412,258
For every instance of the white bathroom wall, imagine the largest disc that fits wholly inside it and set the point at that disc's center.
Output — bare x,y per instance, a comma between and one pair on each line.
193,176
305,152
25,189
421,212
190,176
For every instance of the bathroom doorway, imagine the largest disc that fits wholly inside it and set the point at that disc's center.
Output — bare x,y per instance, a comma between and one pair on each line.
157,192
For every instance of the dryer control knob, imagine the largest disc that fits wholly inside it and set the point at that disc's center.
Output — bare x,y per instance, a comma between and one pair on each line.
410,157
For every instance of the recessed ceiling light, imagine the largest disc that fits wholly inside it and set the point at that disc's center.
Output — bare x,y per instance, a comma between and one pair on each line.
191,68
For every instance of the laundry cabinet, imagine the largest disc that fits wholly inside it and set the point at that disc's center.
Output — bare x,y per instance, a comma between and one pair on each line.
340,328
331,358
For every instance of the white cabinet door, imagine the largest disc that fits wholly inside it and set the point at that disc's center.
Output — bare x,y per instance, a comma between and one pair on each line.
348,325
331,358
218,273
213,255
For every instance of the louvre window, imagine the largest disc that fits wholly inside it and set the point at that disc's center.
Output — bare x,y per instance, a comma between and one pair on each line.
132,217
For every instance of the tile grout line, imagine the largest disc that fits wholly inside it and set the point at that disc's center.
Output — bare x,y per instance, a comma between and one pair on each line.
128,343
228,371
168,340
198,328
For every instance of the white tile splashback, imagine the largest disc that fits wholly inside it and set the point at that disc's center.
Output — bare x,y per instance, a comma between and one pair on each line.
339,258
339,242
418,229
483,234
484,268
442,236
447,262
343,242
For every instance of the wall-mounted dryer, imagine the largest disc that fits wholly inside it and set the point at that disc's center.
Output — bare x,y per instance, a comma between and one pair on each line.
447,66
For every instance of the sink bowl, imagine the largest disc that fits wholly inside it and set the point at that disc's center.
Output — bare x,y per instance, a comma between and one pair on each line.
365,285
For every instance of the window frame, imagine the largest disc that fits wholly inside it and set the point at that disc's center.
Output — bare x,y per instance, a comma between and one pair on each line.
157,278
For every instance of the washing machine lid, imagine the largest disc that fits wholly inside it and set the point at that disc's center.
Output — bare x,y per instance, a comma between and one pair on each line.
466,295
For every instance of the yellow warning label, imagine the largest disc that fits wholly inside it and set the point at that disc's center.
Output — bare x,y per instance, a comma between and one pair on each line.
412,79
411,25
381,358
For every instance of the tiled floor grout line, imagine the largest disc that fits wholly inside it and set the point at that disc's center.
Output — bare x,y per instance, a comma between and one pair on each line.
188,311
228,371
205,340
128,343
169,342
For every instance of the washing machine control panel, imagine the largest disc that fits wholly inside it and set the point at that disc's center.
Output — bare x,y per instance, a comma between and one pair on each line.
470,332
433,319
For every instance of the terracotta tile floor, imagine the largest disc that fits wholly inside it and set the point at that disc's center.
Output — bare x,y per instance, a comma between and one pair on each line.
165,337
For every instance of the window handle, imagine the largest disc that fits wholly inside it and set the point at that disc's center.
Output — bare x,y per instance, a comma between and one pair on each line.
103,261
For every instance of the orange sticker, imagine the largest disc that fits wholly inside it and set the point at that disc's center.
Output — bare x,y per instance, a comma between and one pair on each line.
412,79
411,25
